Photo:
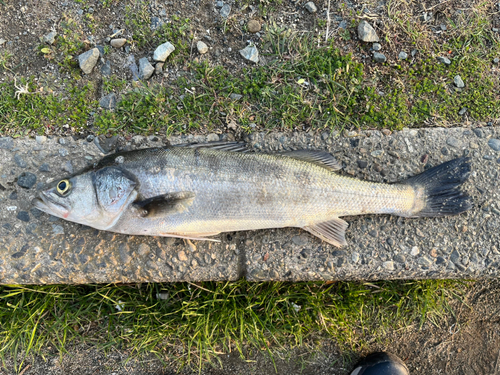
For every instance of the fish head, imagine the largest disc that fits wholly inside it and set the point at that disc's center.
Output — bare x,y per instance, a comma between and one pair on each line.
93,198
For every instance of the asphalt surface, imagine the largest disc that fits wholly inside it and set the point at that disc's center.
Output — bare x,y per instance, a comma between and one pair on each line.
36,248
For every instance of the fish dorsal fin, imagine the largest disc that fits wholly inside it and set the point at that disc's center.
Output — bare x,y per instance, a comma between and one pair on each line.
219,145
332,231
321,158
165,204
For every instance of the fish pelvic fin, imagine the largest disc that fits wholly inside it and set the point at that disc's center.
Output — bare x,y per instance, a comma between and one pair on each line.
439,189
332,231
165,204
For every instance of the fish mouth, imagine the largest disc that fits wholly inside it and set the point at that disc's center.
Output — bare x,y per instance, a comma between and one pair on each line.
49,206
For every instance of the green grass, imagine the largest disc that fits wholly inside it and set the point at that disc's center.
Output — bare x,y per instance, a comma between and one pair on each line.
201,320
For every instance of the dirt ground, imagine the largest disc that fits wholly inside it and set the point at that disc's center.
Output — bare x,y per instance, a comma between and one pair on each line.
466,342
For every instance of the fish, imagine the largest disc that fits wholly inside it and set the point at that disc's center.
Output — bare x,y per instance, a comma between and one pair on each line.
199,191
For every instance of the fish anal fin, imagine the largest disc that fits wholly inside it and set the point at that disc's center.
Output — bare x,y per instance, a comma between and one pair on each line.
332,231
321,158
165,204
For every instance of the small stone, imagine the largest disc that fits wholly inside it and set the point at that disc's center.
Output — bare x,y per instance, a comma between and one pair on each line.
389,265
445,151
390,242
455,256
44,168
219,4
473,145
40,139
57,230
362,164
49,38
68,167
487,157
444,60
181,255
376,47
26,180
300,240
462,111
163,51
402,55
250,53
101,50
424,261
457,80
494,144
106,69
143,249
440,260
194,263
6,143
426,17
90,138
146,70
23,216
478,132
373,233
355,257
235,96
155,23
415,251
20,161
377,153
442,27
254,26
496,60
453,142
88,60
367,33
159,68
379,57
108,101
225,10
118,43
13,195
202,47
311,7
63,152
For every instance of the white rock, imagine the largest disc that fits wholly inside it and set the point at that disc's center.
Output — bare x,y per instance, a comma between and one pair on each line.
202,47
250,53
163,51
367,33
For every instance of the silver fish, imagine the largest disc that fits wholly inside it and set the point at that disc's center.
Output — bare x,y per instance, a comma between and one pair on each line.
198,192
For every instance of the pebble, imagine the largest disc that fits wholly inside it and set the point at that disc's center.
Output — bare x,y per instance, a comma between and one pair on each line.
235,96
181,255
403,55
40,139
373,233
146,70
254,26
390,242
26,180
202,47
6,143
219,4
462,111
57,230
300,240
212,137
311,7
376,47
478,132
496,60
118,43
445,151
379,57
44,168
88,60
13,195
163,51
23,216
355,257
377,153
457,80
425,262
225,10
389,265
63,152
362,164
415,251
473,145
90,138
20,161
108,101
143,249
159,68
453,142
155,23
49,38
106,69
444,60
494,144
250,53
367,33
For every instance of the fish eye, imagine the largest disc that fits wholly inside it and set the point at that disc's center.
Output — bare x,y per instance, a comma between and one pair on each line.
63,187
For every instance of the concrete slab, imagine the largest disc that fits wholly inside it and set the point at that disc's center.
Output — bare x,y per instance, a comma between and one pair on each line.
36,248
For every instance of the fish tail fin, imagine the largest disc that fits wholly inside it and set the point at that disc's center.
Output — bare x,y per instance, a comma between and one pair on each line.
441,188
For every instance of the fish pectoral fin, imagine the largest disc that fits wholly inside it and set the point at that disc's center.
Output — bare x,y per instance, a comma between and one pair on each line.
332,231
321,158
165,204
193,236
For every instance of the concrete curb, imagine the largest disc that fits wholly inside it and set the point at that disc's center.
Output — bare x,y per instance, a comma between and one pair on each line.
36,248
